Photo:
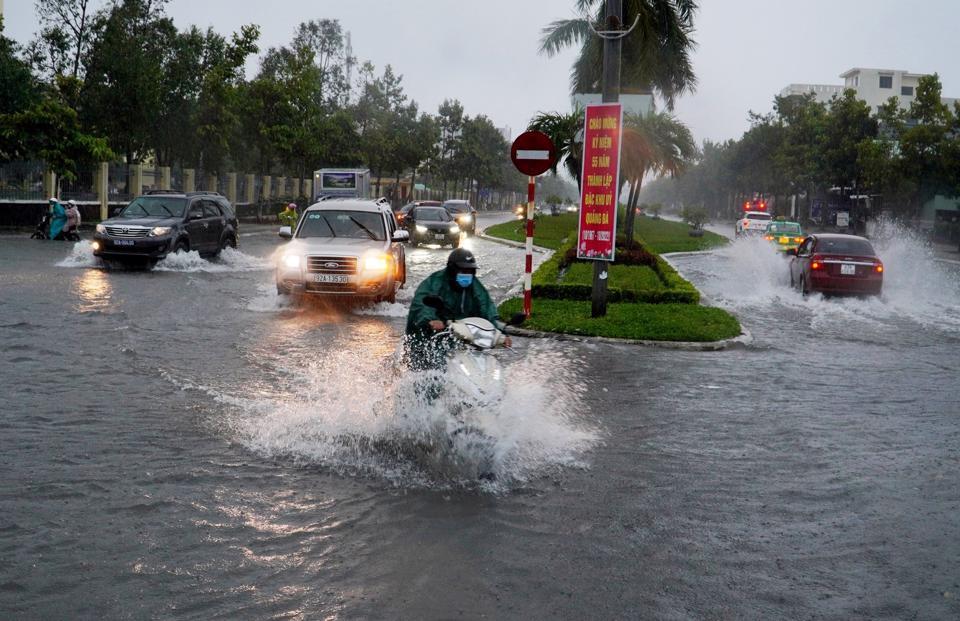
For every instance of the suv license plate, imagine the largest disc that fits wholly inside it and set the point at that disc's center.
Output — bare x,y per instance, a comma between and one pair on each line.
848,269
124,242
334,278
439,236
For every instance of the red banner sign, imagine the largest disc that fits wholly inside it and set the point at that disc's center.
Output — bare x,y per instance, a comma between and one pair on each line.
599,181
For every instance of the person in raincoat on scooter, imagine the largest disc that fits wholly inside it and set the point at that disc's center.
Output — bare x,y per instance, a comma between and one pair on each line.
463,296
58,218
289,217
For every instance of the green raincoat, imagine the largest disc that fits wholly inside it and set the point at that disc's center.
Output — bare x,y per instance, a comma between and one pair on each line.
474,301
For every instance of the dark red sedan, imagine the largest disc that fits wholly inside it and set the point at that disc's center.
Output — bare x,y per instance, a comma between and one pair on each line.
836,264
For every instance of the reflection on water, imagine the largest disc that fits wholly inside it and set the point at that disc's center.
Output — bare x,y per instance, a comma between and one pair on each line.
93,289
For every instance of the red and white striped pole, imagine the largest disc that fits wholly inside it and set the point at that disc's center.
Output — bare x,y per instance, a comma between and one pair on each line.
528,272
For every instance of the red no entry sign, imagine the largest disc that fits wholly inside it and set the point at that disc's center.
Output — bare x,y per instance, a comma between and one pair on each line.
533,153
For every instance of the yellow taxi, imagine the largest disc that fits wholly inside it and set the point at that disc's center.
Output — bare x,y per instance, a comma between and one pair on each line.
783,235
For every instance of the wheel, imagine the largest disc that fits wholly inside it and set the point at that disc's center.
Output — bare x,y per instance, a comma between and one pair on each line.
180,246
391,297
228,241
455,243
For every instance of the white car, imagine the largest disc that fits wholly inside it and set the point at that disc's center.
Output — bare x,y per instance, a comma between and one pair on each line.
345,248
753,223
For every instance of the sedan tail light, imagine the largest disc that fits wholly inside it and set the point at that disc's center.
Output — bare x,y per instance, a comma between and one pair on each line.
878,267
816,262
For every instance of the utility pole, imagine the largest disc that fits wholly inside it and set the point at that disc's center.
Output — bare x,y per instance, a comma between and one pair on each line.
613,21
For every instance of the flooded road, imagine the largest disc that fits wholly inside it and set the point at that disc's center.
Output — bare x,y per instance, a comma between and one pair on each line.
185,443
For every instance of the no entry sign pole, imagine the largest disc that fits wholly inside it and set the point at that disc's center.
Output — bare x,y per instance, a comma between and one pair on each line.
528,271
533,154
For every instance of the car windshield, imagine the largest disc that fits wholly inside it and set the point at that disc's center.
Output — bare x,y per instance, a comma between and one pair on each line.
155,207
784,228
840,245
457,207
343,223
432,213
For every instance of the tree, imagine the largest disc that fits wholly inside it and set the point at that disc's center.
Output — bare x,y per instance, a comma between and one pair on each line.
928,148
450,120
60,46
50,131
656,143
655,55
482,151
18,88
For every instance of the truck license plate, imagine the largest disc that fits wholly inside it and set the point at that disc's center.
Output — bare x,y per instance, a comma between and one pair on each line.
334,278
848,269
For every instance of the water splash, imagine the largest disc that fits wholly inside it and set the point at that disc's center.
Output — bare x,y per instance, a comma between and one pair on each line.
230,260
358,414
81,255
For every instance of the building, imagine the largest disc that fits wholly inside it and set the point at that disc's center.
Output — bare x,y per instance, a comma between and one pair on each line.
874,86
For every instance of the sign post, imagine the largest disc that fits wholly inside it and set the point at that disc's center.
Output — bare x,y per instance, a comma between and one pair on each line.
533,154
599,183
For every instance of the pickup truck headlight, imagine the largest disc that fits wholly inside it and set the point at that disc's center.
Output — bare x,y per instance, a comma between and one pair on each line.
421,228
455,230
101,229
160,231
376,263
292,261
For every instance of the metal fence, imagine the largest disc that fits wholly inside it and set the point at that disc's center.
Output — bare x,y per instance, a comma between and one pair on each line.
22,181
118,186
83,188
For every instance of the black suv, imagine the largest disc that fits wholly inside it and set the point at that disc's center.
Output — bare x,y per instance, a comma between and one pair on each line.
161,222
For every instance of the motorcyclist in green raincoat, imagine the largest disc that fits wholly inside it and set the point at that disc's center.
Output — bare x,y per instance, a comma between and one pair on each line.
463,295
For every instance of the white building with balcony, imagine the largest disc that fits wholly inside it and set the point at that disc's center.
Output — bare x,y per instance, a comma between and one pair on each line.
874,86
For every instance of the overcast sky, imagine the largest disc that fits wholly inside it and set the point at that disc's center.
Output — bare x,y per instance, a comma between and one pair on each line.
485,53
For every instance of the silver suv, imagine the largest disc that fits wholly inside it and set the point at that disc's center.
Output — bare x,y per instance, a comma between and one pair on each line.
348,248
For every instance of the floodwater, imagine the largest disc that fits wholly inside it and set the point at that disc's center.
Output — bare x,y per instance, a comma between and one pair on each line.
185,443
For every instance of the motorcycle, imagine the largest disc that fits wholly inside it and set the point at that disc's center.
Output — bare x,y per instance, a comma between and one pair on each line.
469,382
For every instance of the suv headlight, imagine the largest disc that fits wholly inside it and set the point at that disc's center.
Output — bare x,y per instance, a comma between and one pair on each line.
160,231
421,228
455,230
292,261
101,229
376,263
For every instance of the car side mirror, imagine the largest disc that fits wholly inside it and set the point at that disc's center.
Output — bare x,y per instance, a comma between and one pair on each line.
433,301
286,232
400,236
517,319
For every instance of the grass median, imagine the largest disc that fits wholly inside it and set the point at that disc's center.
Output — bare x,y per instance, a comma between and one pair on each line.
652,322
648,299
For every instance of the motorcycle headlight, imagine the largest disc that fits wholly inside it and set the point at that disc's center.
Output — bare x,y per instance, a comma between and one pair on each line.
467,218
101,229
421,229
455,229
376,263
160,231
292,261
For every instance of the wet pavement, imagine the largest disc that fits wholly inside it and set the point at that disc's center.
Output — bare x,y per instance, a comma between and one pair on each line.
185,443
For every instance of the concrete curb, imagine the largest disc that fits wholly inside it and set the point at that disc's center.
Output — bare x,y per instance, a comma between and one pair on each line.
508,242
743,340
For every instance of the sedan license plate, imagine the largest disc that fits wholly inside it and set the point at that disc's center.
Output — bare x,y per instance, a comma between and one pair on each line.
439,236
124,242
848,269
334,278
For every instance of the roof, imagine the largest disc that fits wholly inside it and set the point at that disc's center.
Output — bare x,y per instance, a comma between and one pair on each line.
354,204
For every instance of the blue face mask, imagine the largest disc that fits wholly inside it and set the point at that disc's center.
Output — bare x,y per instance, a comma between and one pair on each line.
464,280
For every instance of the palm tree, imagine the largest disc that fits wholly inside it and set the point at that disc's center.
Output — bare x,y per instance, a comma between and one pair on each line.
655,56
563,129
656,143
